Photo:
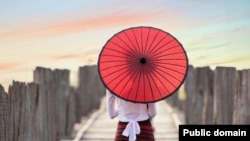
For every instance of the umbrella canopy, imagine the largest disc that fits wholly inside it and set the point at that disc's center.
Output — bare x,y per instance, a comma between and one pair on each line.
142,64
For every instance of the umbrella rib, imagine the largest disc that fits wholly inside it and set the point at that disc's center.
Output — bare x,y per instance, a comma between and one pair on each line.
151,89
161,84
144,90
118,77
111,66
167,59
170,63
155,85
169,69
138,83
136,41
137,52
170,75
141,42
134,77
152,78
165,50
115,56
127,74
134,54
114,72
132,74
113,61
170,54
150,52
147,41
152,42
133,51
158,50
165,77
126,83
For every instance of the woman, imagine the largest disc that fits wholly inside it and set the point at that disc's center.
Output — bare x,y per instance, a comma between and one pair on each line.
134,119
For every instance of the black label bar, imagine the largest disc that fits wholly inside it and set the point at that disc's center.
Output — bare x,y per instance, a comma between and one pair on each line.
198,132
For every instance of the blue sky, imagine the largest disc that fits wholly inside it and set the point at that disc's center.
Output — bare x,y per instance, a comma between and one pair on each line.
70,34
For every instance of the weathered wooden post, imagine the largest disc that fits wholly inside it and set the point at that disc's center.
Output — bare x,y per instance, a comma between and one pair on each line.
16,95
173,99
28,120
205,89
89,89
47,111
62,92
225,83
71,111
241,113
84,98
6,132
99,90
199,103
190,88
18,112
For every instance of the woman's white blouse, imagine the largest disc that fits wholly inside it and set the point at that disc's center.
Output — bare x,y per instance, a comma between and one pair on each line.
129,112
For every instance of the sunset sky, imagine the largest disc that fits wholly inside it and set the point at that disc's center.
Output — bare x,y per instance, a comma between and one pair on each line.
67,34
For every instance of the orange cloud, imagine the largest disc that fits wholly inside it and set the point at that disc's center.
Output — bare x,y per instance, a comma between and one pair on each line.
65,56
74,26
93,23
8,65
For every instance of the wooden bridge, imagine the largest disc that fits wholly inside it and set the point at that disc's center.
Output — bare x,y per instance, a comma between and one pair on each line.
50,109
99,127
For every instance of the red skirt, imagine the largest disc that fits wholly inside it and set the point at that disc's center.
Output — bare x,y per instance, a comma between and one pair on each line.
146,134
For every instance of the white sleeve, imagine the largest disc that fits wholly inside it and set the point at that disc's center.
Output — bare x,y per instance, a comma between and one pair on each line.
111,105
152,109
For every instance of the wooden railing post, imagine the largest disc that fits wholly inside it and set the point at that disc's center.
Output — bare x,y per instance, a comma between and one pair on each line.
199,103
61,92
241,114
47,111
5,124
190,88
90,89
224,93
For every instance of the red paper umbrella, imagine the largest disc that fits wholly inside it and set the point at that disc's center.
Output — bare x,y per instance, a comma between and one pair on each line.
142,64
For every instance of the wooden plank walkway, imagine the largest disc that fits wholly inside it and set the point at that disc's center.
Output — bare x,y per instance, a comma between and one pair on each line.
101,128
